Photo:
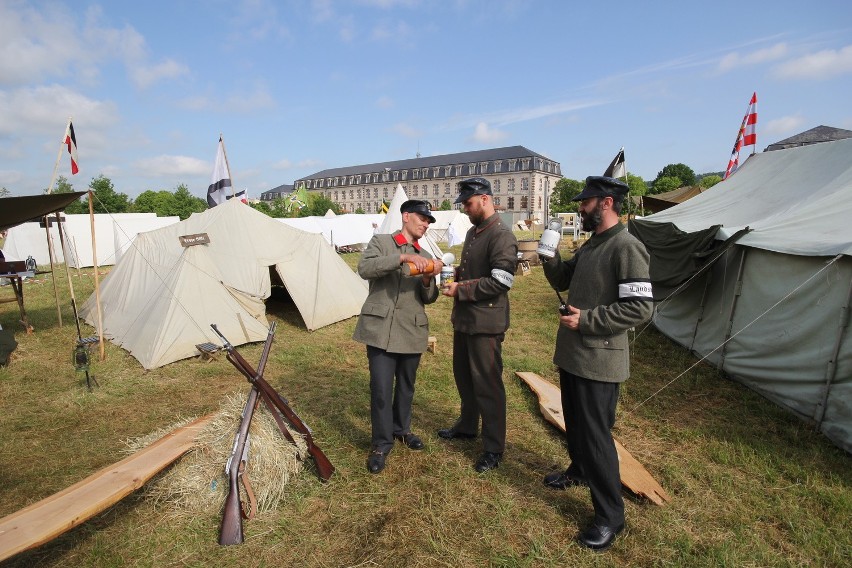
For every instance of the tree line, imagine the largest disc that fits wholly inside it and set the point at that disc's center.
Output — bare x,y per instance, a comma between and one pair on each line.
671,177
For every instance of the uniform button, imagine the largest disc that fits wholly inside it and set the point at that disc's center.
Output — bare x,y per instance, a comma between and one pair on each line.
490,305
606,342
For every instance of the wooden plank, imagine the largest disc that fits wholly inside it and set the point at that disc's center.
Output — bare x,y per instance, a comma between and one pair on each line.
634,476
50,517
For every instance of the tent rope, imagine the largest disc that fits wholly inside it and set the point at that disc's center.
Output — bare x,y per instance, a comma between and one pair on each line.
769,309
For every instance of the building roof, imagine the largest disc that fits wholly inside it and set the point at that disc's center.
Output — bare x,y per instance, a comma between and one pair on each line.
509,152
812,136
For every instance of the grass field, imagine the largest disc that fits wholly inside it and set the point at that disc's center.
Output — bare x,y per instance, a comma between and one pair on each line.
751,485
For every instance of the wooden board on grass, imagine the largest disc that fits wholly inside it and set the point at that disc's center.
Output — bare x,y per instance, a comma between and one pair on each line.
634,476
50,517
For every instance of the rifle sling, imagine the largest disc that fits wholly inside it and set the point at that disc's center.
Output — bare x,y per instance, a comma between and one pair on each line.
243,475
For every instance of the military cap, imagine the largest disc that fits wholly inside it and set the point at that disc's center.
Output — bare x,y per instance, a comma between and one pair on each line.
417,206
601,186
473,186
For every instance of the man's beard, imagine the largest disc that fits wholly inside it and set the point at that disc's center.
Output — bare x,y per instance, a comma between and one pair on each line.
591,221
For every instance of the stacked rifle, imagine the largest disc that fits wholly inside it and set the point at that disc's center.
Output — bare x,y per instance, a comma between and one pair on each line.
231,530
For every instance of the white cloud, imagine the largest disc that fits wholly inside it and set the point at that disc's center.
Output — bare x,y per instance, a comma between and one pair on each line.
145,76
44,110
512,116
734,59
164,166
246,102
406,130
287,164
821,65
385,102
486,135
783,125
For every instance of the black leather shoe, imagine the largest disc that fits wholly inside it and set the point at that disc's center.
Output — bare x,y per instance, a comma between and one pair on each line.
411,440
487,461
562,480
599,537
451,434
376,461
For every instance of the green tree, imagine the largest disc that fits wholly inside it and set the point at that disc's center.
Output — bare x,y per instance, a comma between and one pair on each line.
563,192
159,202
446,205
680,171
318,204
665,184
185,204
264,207
4,192
709,181
106,199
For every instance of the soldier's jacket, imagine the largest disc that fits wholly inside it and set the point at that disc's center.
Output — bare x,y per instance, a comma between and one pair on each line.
485,273
393,317
608,281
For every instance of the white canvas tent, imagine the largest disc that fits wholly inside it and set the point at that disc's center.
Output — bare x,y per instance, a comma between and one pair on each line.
449,227
393,222
770,308
28,239
339,230
160,299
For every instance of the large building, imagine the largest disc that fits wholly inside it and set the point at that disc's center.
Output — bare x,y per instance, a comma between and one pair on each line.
521,179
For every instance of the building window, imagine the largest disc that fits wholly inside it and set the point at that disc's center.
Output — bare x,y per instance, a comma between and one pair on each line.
384,193
335,196
351,194
308,184
415,173
483,167
396,176
424,173
404,175
446,190
435,189
459,169
525,163
471,169
525,184
359,194
512,164
496,184
414,192
448,171
496,201
436,172
539,202
498,166
511,184
524,202
510,203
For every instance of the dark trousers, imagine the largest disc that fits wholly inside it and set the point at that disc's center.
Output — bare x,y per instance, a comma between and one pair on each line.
589,410
390,408
478,369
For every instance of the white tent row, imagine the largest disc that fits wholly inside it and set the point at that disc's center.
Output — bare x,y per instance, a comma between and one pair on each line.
159,300
339,230
771,309
449,227
113,232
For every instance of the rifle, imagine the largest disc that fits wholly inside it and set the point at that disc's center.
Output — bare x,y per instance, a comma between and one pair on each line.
231,529
324,467
81,350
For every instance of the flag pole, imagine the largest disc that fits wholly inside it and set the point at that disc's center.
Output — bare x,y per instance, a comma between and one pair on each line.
227,165
59,156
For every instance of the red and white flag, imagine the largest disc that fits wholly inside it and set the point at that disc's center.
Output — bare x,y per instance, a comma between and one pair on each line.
747,136
220,182
71,142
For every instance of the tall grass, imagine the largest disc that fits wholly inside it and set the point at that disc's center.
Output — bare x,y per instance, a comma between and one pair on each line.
751,485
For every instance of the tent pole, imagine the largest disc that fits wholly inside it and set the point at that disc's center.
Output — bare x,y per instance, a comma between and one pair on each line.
65,254
701,307
738,288
831,370
52,268
97,284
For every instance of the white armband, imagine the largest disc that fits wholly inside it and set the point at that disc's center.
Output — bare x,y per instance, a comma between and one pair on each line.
503,277
635,290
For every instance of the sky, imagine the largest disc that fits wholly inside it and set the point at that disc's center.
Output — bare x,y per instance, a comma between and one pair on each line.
298,86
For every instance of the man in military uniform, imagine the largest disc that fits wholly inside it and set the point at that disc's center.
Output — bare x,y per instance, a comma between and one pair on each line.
480,319
394,326
609,293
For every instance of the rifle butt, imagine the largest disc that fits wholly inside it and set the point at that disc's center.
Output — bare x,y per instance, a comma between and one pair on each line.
231,529
325,469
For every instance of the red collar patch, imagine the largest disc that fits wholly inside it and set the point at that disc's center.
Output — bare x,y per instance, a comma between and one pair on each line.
400,240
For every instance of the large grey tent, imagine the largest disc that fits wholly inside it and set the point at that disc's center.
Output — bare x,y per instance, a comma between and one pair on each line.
161,297
755,275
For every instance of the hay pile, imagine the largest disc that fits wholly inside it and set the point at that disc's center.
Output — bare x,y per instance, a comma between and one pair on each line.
197,482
